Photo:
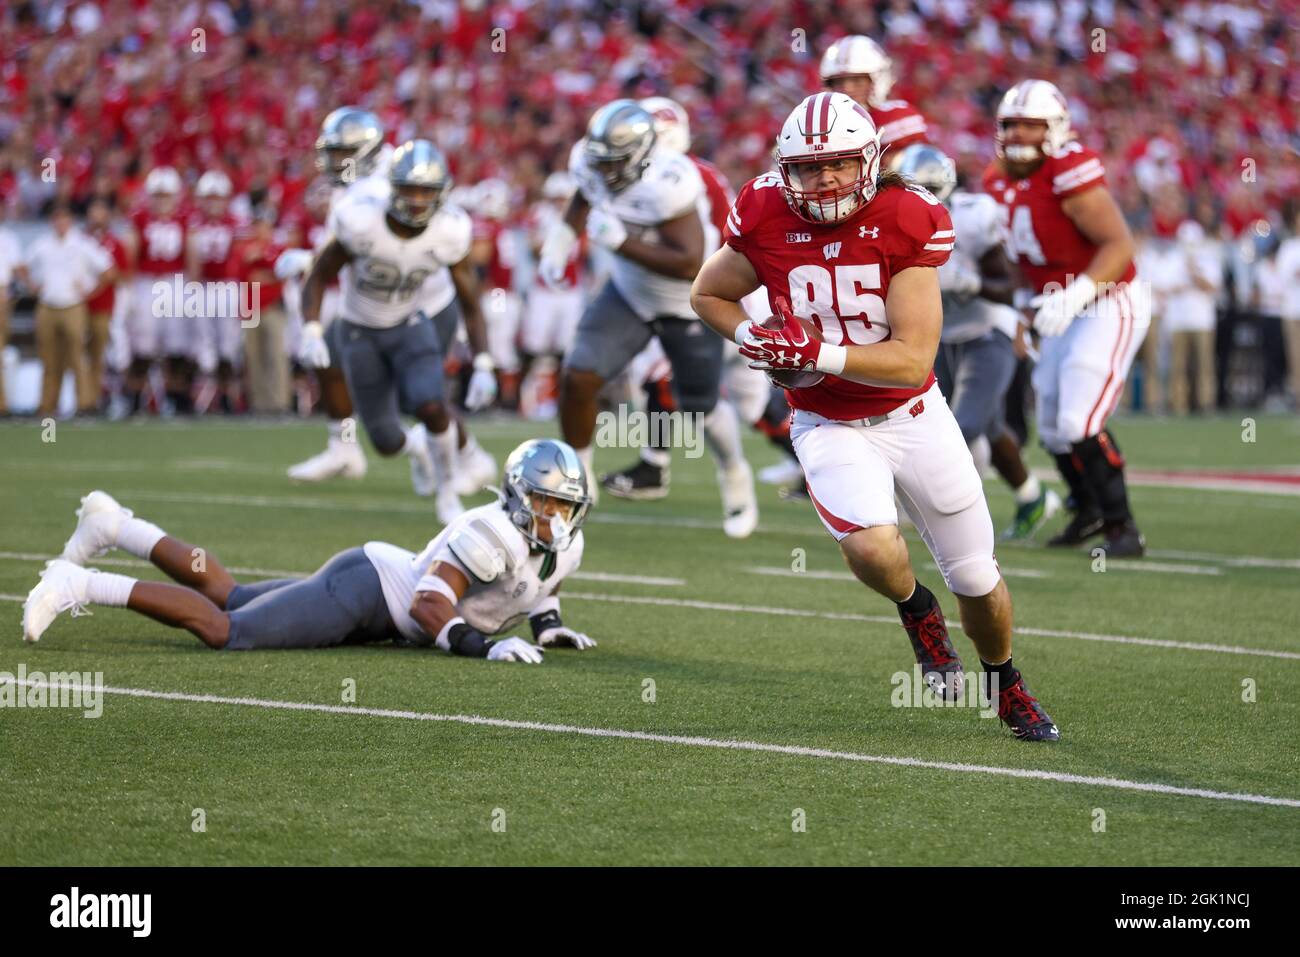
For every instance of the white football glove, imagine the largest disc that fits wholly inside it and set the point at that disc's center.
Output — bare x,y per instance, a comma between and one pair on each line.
958,278
557,250
293,264
312,351
606,229
562,637
515,649
1057,309
482,384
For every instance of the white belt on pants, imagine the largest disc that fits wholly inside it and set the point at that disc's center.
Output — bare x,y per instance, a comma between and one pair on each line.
908,407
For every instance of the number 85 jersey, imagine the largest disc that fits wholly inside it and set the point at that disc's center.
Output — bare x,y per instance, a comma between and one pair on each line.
382,285
837,274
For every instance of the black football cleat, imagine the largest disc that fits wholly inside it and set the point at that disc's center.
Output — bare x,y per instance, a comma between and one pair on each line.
1083,526
641,482
1124,541
940,665
1020,711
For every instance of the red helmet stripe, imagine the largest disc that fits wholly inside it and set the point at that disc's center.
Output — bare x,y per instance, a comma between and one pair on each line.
808,119
826,117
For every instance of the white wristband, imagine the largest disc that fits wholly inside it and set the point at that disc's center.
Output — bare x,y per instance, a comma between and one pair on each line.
742,331
441,641
483,362
831,359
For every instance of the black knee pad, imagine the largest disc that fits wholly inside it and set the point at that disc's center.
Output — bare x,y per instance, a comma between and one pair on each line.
388,437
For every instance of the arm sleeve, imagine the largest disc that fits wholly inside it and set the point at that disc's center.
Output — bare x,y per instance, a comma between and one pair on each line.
1075,171
925,229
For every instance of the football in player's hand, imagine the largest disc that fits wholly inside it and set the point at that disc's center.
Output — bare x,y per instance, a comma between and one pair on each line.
795,380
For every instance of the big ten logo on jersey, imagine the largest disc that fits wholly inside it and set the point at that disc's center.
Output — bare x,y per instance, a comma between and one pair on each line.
843,301
163,239
383,280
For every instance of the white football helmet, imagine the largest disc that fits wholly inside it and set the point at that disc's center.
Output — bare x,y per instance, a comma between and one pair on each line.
492,198
213,183
828,126
860,56
163,181
1034,100
672,124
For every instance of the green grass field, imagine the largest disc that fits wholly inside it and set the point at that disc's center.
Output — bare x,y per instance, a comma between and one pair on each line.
728,660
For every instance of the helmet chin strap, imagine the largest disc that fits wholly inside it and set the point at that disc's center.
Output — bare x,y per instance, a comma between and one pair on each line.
561,534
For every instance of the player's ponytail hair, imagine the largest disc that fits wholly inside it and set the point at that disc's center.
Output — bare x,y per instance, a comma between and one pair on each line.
888,178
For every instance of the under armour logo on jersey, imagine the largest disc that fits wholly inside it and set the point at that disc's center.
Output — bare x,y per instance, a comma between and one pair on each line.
831,250
872,233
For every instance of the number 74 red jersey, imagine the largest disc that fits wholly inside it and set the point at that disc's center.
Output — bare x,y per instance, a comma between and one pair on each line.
837,274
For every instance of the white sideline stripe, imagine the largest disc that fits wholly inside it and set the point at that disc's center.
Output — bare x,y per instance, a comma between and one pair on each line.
725,744
777,571
615,518
893,620
283,573
1146,566
888,620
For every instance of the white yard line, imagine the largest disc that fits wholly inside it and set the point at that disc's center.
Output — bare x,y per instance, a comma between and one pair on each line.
745,609
779,571
380,506
284,573
723,744
893,620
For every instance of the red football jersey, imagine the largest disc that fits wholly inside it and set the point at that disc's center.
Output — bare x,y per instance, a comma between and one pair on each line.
214,237
717,190
161,250
103,301
1040,237
502,259
899,124
838,274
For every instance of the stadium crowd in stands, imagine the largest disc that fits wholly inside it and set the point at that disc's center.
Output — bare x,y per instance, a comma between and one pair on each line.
1195,108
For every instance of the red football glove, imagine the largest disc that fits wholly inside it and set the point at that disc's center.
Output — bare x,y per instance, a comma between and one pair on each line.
788,348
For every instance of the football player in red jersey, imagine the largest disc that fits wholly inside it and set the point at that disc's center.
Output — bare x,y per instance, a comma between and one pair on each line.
1072,244
155,324
212,229
853,252
857,67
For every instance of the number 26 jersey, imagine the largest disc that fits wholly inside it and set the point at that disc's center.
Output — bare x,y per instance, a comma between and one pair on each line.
384,280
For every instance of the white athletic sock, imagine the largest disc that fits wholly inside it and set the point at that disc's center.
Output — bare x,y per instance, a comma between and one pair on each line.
139,537
335,429
104,588
415,435
660,458
587,457
470,448
722,432
442,446
982,453
1029,491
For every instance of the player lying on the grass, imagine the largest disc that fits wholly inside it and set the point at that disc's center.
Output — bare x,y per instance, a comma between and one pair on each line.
852,254
484,572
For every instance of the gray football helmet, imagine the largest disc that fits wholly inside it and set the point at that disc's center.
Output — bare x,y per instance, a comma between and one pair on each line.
348,145
619,141
930,167
417,163
549,467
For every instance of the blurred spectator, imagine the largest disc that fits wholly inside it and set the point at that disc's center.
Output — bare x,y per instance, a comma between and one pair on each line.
1288,267
10,259
65,268
264,347
102,304
1197,262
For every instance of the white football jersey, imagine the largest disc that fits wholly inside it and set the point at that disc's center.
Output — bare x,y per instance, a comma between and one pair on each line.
386,281
978,229
491,607
669,187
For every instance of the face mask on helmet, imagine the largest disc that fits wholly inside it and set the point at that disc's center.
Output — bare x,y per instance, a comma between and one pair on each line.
1017,152
829,189
414,205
